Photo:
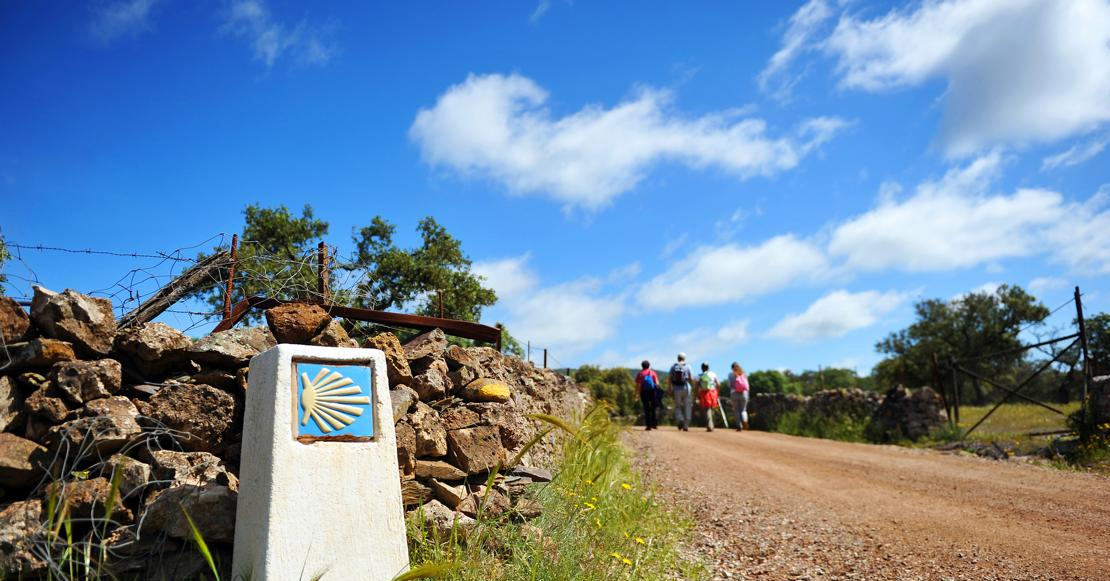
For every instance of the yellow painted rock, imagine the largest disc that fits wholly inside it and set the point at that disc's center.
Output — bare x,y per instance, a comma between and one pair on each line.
486,390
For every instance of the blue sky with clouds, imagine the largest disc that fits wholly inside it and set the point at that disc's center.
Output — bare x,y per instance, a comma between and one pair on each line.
774,183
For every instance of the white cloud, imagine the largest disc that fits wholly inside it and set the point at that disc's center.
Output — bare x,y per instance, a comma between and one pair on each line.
1044,284
271,40
700,344
508,277
1017,71
540,11
987,287
797,38
497,127
837,314
948,224
1081,241
719,274
1076,154
116,20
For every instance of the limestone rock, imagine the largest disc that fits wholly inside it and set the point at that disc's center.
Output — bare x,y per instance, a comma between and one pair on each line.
208,415
402,397
39,353
232,349
455,418
406,447
396,365
87,499
133,474
153,347
533,473
486,390
431,381
296,322
20,523
906,414
431,343
85,321
431,438
21,461
14,322
11,405
211,506
527,508
220,378
191,468
439,470
107,432
491,504
462,376
414,493
442,520
450,495
333,335
46,403
476,450
459,358
84,381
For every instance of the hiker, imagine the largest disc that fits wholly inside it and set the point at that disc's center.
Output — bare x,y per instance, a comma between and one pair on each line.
648,390
680,386
708,395
738,382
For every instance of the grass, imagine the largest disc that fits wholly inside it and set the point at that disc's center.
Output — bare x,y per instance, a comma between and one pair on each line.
1014,420
798,423
600,521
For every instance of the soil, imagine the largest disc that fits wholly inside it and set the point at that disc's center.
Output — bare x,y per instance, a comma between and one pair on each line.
772,506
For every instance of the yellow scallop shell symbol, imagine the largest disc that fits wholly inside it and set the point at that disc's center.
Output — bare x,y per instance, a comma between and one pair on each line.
331,400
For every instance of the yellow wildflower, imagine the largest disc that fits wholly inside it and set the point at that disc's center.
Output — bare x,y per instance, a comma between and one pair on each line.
616,555
626,486
626,561
589,505
640,541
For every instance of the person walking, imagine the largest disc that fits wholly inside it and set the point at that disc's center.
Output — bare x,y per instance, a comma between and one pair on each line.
738,383
708,394
648,390
680,386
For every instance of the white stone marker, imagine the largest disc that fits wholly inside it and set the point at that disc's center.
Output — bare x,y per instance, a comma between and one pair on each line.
318,485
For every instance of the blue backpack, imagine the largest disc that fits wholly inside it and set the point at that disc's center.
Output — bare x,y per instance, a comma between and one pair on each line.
648,382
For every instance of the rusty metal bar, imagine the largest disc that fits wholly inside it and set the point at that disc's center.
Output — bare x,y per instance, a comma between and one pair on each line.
1015,391
465,329
1012,392
230,286
322,273
1083,344
1017,349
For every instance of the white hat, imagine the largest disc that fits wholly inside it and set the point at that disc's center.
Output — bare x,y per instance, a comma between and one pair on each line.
682,357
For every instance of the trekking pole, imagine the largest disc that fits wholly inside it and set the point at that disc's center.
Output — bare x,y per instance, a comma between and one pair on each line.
724,417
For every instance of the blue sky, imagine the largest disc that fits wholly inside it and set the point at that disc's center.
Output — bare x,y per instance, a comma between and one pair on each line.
774,183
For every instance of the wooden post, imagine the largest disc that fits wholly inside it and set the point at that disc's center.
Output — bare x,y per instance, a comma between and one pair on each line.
528,353
231,276
322,273
1083,344
545,357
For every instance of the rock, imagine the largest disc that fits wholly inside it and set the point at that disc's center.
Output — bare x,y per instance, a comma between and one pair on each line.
105,433
87,499
406,447
491,504
212,508
442,521
21,462
459,358
20,525
11,405
527,508
84,381
133,475
532,473
191,468
208,415
432,343
439,470
220,378
449,495
397,366
906,414
486,390
296,322
232,349
431,382
39,354
431,438
153,347
46,403
766,409
85,321
460,377
414,493
334,335
456,418
476,450
14,322
402,397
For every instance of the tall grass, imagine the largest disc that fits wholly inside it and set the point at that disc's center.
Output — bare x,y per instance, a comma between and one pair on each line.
799,423
600,521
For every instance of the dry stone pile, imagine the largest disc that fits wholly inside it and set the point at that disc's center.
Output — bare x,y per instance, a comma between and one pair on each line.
898,414
82,402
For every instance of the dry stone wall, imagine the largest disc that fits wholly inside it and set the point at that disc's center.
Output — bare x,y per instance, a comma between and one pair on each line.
81,402
898,414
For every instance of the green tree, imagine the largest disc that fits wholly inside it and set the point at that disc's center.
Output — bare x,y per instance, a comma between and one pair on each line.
1098,342
975,324
768,381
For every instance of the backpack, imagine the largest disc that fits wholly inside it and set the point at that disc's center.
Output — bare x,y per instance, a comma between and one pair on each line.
648,381
678,375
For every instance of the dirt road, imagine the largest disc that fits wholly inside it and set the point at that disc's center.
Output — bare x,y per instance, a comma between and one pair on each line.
771,506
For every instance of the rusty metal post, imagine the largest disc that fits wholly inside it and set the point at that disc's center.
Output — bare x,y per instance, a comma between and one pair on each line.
230,286
545,357
1083,344
322,273
500,336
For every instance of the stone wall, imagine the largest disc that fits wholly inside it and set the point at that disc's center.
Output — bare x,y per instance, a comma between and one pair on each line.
895,415
81,401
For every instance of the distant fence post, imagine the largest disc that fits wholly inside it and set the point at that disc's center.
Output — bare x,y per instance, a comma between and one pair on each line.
322,273
230,286
1083,344
545,357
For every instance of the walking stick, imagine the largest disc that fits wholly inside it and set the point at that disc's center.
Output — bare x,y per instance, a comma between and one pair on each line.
724,417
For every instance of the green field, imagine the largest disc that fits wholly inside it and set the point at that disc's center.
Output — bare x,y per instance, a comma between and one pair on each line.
1014,420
